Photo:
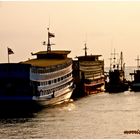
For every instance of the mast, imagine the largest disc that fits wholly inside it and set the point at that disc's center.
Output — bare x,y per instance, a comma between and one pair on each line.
9,51
114,58
85,49
110,62
121,59
49,44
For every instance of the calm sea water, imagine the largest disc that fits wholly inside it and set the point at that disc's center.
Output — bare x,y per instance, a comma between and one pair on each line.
102,115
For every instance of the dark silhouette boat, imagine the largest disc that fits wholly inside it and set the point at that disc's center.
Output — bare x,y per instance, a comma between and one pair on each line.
115,78
135,83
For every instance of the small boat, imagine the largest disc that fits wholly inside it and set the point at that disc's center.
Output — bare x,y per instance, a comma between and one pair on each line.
135,83
115,78
88,73
46,79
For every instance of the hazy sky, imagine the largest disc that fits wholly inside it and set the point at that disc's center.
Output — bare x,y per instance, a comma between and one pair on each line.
103,25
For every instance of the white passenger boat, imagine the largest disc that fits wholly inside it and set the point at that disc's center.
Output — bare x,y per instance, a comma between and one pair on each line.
51,75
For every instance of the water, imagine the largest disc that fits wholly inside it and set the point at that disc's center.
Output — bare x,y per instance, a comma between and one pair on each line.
96,116
102,115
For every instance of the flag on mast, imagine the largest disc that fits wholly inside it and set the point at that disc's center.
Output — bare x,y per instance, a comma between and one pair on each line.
51,34
10,51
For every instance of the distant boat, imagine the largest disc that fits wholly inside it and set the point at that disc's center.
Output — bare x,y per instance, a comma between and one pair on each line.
46,79
135,83
115,78
88,73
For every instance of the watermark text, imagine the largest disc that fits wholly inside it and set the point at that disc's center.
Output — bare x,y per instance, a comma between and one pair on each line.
132,132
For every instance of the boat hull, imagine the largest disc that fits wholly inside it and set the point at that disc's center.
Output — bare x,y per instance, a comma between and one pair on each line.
116,88
116,81
135,87
48,101
93,88
25,103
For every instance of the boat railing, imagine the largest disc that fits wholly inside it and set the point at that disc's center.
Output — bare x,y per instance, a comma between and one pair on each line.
53,90
92,63
52,75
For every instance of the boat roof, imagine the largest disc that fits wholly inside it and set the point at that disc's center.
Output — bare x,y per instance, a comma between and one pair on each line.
89,56
63,52
46,62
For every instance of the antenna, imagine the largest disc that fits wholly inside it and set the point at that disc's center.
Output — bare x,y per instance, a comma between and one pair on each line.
138,62
114,58
49,22
85,48
85,37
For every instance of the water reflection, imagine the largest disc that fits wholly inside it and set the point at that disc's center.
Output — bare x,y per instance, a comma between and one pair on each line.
11,110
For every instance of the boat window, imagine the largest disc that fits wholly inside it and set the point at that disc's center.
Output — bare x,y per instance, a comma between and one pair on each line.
58,79
54,80
49,82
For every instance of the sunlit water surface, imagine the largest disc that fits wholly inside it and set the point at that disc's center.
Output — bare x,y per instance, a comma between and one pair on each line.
96,116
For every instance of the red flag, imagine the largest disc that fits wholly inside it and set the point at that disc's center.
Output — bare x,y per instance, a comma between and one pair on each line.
10,51
51,34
